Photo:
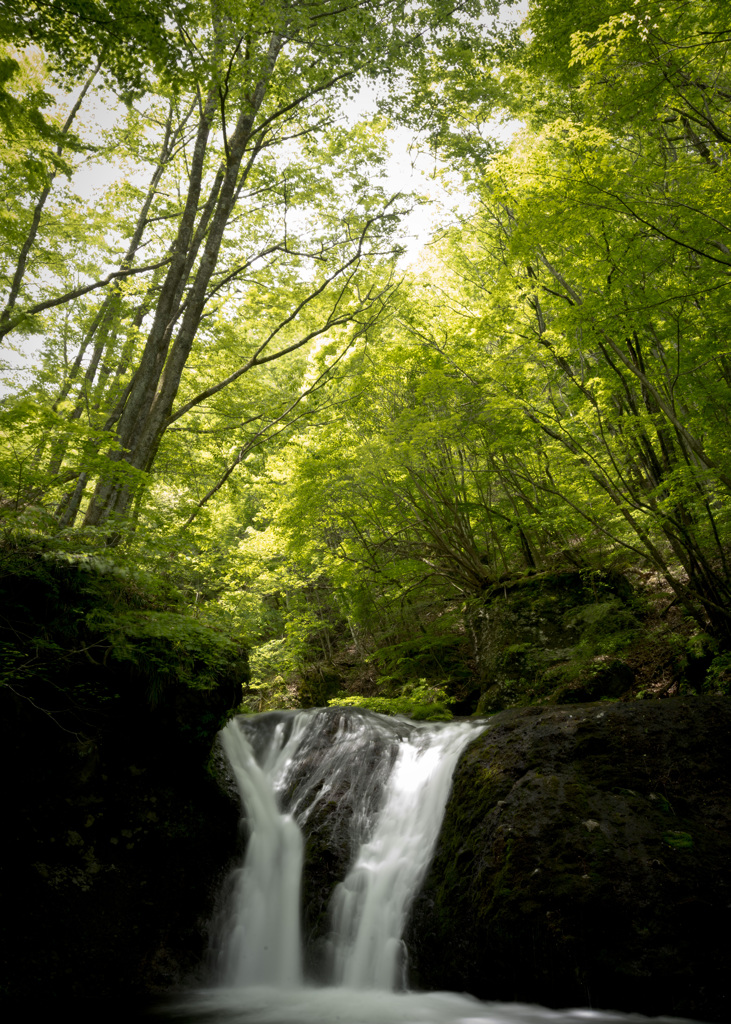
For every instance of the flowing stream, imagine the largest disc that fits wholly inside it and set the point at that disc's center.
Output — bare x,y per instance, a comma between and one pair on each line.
380,786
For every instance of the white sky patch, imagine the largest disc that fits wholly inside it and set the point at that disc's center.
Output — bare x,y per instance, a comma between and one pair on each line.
94,177
413,170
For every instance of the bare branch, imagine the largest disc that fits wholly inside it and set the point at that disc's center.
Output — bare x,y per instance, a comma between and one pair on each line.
116,275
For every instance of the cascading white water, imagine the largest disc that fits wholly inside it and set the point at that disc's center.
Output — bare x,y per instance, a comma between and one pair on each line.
370,905
385,783
263,941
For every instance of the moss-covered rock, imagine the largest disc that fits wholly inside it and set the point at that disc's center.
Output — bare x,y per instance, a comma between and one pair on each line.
82,641
554,638
585,859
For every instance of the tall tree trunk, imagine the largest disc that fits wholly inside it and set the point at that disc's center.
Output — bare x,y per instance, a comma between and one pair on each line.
149,404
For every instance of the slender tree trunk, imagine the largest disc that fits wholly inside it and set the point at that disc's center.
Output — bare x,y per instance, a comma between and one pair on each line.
102,330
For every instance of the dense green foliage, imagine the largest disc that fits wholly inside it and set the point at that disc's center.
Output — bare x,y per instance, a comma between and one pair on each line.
85,641
236,391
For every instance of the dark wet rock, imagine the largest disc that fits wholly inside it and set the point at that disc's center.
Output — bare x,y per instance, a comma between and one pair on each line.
585,859
115,850
116,836
335,800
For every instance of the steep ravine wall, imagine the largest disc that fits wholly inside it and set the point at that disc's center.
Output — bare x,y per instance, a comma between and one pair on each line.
585,859
116,835
115,848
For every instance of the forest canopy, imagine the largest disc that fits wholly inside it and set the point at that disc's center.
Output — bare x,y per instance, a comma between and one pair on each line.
219,373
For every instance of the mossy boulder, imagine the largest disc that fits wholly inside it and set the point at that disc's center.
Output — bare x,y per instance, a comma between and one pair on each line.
85,642
585,859
554,638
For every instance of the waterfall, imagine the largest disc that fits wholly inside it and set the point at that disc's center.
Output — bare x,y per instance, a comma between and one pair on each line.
373,789
263,941
391,779
371,904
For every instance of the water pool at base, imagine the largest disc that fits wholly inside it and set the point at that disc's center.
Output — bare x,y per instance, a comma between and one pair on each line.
265,1005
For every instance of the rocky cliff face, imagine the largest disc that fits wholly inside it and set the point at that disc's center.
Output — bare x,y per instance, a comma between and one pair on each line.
585,858
116,836
115,848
